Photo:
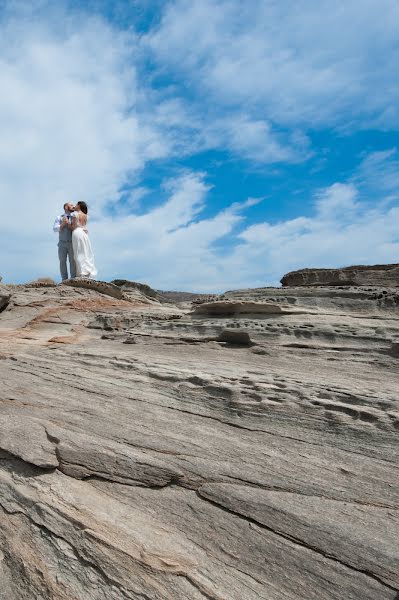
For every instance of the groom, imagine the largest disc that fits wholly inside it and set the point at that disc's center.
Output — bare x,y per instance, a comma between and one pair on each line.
65,242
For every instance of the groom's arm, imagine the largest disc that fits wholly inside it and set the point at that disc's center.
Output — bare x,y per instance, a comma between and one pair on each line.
57,225
60,223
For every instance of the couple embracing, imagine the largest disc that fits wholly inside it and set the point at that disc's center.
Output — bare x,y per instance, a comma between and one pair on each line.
74,242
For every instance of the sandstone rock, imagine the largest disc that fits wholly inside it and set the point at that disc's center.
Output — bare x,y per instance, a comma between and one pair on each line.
347,534
99,286
5,296
394,350
259,350
135,290
347,299
204,298
234,337
181,468
27,439
228,307
374,275
177,297
130,340
42,282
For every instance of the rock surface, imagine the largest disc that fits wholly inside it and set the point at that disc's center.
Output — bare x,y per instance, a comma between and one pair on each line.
380,275
184,466
5,296
231,308
135,290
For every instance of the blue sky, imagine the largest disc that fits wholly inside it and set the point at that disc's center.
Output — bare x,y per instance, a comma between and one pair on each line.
218,143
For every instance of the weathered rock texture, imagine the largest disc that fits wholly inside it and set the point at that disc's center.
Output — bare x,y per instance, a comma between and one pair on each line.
135,290
231,307
5,295
188,465
380,275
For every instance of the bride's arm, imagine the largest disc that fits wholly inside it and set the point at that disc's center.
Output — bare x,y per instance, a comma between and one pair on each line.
74,222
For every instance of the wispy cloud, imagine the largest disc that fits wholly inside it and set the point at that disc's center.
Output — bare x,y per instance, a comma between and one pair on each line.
302,63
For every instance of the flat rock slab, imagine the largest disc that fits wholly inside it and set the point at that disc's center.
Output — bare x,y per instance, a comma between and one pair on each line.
26,438
358,535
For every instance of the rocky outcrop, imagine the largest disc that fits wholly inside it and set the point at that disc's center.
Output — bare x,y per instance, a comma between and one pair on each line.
177,297
243,454
109,289
41,282
374,275
235,338
5,295
134,290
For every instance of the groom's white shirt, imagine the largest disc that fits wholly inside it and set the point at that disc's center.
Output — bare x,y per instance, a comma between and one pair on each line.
57,223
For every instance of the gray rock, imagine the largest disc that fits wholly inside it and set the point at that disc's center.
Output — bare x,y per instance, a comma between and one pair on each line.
27,439
394,350
381,275
135,290
5,296
130,340
99,286
181,467
234,337
229,307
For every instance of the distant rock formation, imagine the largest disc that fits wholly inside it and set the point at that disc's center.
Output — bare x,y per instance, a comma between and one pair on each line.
177,297
363,275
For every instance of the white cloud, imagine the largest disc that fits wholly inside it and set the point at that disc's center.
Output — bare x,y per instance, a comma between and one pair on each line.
65,130
380,172
255,140
171,245
293,63
345,229
74,125
338,199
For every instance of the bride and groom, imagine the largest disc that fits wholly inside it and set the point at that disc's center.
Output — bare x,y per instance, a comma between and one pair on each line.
74,242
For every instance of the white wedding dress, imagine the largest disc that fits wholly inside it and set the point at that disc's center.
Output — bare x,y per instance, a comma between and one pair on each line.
82,251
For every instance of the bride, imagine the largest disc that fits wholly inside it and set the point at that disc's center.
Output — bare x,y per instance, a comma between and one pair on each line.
83,254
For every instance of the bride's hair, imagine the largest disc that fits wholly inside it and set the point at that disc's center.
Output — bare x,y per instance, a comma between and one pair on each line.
83,207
